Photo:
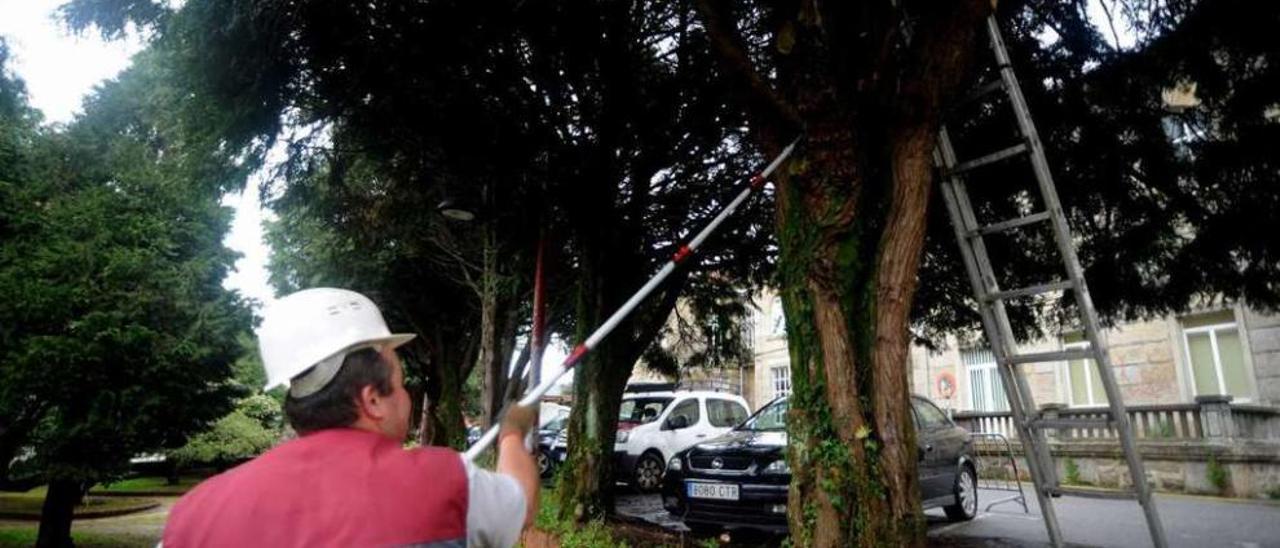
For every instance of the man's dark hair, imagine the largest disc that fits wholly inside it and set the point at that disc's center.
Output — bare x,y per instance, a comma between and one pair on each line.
334,406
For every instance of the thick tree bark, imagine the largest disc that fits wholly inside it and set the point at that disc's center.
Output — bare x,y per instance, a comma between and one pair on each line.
851,222
448,358
585,488
56,514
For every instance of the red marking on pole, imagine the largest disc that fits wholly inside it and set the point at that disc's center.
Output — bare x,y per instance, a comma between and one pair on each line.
577,354
683,253
757,181
538,338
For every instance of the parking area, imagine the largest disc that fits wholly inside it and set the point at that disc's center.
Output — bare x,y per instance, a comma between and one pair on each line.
1189,521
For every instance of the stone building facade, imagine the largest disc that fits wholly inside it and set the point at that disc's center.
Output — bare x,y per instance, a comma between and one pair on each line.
1227,349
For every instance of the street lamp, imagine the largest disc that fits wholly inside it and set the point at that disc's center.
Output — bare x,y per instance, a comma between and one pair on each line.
455,210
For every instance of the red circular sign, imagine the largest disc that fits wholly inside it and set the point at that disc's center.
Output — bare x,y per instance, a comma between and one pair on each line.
946,385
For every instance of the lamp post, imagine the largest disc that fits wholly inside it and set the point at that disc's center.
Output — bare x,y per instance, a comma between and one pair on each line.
458,210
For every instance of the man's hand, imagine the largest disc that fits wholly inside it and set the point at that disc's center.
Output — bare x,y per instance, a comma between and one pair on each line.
519,420
513,455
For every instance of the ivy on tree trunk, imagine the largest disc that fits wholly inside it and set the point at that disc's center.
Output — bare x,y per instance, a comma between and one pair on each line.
851,212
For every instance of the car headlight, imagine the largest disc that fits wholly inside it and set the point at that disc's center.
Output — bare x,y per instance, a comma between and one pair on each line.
674,464
777,467
622,436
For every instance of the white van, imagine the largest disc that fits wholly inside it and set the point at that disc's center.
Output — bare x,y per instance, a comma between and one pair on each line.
653,426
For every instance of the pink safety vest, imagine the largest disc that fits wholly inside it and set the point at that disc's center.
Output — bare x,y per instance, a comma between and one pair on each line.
339,487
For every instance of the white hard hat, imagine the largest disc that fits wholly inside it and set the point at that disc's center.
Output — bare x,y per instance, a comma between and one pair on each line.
317,328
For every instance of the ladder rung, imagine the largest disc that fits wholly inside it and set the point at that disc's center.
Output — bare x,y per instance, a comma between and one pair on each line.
1058,356
1029,291
981,91
989,159
1090,492
1096,423
1011,223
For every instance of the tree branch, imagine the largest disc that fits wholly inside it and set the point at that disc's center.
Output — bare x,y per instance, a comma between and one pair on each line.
760,97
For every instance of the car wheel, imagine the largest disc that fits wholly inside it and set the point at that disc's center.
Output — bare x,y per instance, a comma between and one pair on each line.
546,465
966,492
648,473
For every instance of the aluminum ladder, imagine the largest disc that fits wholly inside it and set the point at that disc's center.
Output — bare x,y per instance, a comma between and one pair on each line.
991,302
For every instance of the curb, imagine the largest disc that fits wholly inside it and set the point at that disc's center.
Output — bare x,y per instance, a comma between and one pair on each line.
135,494
20,516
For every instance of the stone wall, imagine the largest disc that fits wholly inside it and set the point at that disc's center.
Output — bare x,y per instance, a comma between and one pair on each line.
1263,334
1142,359
1250,470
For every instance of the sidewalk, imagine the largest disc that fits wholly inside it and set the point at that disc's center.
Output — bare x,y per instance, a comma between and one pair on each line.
1190,521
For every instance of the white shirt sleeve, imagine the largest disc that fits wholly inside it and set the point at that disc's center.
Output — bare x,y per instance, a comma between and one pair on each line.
495,508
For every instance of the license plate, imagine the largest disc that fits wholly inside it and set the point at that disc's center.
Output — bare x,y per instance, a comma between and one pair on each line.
718,491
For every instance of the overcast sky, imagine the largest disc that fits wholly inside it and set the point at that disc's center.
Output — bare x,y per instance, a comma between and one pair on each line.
60,69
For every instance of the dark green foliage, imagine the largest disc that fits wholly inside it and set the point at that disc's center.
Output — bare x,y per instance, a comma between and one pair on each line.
117,336
1160,224
609,125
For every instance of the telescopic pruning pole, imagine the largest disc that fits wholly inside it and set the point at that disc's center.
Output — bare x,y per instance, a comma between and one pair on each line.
608,326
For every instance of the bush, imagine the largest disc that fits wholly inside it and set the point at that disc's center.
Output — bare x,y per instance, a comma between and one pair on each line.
252,428
1218,475
1072,471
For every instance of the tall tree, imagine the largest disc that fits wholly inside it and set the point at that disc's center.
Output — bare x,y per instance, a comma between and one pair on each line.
852,210
125,337
604,140
610,127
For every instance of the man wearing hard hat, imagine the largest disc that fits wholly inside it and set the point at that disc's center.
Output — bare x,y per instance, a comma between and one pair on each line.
346,480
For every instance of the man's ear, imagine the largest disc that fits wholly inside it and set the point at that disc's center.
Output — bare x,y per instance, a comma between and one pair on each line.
371,404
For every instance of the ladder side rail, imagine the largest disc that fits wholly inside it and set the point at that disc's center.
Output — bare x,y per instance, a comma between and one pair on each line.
946,156
1002,336
1084,301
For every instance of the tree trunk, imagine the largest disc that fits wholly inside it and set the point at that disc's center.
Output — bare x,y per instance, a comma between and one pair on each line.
585,488
490,366
449,357
851,212
57,513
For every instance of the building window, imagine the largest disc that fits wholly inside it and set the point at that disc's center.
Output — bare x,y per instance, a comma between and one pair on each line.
781,380
1215,355
1084,384
986,391
777,320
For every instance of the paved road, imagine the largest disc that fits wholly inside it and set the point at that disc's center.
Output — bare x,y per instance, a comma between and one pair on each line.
1189,521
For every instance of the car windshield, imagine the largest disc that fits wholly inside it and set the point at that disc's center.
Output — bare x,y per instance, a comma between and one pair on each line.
771,417
556,424
642,410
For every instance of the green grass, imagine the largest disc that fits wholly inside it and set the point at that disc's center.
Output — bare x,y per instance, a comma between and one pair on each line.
150,484
592,535
31,502
30,506
25,535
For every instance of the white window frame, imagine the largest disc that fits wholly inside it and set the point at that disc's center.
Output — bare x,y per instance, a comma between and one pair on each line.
1213,330
1066,374
988,370
777,319
781,383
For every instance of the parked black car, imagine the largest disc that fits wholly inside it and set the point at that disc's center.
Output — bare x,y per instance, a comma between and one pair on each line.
552,445
739,480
